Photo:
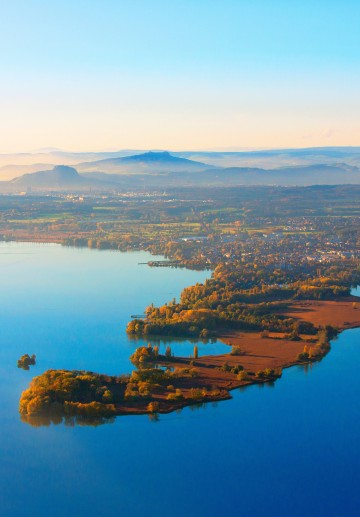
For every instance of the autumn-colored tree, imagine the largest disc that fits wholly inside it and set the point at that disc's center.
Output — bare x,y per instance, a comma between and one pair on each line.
153,407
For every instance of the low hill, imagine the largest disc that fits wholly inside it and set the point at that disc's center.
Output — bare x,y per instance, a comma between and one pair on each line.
320,174
276,158
60,176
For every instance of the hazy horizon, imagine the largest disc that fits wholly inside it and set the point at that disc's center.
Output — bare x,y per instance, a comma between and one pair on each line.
196,75
232,149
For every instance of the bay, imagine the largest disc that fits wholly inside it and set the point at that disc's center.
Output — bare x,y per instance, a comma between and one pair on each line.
291,448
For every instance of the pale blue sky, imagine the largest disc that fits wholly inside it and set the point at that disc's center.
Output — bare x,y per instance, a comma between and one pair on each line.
190,74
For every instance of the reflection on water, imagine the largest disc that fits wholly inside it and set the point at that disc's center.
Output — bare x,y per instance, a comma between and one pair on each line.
306,368
70,421
182,347
197,406
165,340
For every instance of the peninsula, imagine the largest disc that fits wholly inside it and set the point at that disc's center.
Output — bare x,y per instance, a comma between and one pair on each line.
165,383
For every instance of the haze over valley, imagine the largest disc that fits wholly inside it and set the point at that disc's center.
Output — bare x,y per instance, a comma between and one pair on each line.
126,170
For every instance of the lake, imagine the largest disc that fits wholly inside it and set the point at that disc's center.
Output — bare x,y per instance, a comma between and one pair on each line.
291,448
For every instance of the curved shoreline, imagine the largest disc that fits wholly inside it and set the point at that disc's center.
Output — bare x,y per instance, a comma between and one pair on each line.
212,378
256,352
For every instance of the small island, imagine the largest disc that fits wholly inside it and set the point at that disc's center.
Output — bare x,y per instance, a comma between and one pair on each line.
26,361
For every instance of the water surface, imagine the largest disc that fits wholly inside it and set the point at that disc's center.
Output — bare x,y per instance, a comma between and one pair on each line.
288,449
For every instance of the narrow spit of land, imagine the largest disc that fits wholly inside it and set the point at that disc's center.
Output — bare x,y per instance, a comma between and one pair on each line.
177,382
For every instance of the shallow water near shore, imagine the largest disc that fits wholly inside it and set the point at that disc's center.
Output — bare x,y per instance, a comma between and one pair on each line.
291,448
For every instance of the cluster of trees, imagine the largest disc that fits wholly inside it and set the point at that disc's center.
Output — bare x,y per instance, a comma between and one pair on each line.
203,394
269,374
173,323
90,395
144,355
237,296
247,282
175,394
322,344
237,370
72,392
195,394
178,320
145,381
26,361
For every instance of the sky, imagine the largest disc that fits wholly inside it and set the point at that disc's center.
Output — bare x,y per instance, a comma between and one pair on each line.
89,75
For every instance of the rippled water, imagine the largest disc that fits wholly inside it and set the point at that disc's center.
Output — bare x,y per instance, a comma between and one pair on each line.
287,449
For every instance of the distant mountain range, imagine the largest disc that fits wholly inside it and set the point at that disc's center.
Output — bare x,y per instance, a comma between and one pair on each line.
140,161
161,170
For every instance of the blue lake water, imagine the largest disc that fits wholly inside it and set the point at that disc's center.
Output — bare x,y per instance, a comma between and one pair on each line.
288,449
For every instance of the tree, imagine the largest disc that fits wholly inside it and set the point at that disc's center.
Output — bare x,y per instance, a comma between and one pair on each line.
153,407
204,334
107,397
